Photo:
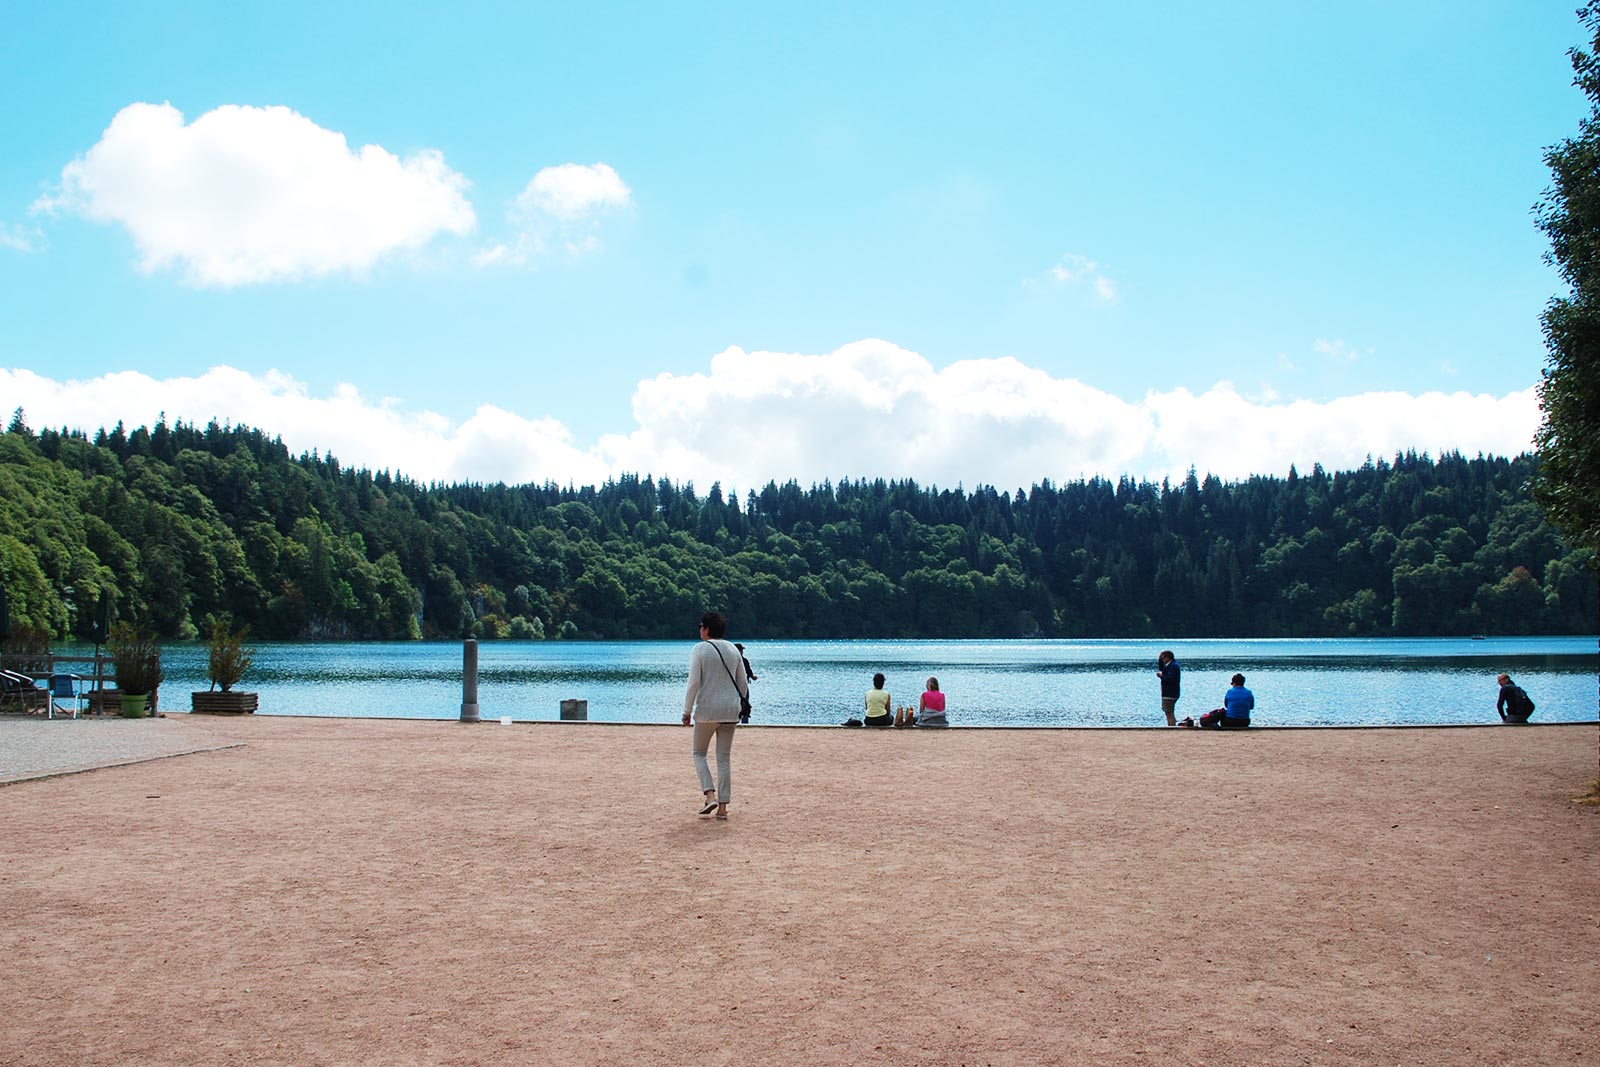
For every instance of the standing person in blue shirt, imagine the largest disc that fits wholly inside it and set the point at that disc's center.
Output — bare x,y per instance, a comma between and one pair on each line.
1237,703
1169,672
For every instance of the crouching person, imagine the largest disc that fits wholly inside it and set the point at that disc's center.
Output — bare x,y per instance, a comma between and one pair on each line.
1514,704
1237,703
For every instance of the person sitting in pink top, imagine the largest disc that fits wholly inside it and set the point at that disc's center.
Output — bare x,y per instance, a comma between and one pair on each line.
930,708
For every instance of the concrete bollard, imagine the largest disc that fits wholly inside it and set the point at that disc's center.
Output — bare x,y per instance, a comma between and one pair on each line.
574,711
469,681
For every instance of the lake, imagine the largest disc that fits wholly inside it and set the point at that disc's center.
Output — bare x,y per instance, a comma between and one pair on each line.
1318,682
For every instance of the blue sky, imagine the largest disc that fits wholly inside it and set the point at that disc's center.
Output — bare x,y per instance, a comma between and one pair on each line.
975,243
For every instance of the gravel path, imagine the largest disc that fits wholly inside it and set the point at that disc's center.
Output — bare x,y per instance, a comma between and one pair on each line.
40,748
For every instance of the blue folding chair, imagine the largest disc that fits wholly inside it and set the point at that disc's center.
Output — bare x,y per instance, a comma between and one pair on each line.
64,687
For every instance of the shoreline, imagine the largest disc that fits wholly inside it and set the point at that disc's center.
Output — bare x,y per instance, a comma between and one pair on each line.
1297,681
44,754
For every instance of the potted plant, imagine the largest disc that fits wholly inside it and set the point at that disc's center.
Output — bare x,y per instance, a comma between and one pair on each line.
228,662
136,665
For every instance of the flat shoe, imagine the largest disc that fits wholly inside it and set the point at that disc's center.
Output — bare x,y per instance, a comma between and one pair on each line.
711,806
722,815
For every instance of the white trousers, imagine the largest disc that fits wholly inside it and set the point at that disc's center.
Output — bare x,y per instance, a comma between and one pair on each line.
702,742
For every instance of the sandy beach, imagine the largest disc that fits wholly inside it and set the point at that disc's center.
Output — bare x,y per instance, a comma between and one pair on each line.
330,891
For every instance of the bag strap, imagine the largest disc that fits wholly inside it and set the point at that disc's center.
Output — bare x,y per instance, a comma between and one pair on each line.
725,666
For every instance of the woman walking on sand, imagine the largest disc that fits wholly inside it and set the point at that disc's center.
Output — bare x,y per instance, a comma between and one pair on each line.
717,681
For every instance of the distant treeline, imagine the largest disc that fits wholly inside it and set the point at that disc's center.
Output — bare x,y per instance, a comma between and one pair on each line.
184,525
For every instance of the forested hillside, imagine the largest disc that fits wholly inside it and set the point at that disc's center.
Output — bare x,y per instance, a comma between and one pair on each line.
184,524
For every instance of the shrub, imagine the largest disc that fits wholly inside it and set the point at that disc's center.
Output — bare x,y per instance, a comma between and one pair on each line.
135,658
229,657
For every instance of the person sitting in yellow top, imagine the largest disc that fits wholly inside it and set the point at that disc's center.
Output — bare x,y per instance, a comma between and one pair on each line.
878,704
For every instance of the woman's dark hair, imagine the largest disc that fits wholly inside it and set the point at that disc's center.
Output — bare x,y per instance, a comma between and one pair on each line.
714,623
933,685
877,681
1238,679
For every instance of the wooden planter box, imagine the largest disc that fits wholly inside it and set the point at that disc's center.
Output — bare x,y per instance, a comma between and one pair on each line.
219,703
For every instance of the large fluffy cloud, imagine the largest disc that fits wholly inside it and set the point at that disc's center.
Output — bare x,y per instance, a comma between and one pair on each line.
361,431
247,194
870,409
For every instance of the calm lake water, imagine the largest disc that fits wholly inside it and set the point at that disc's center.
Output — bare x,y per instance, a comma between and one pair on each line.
1381,681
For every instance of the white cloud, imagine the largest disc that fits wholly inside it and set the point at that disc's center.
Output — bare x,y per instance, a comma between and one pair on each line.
1338,351
19,240
246,194
360,431
561,206
1222,432
1074,269
872,408
571,191
499,252
869,409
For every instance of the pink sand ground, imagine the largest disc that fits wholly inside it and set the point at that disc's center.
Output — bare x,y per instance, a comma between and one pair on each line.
381,892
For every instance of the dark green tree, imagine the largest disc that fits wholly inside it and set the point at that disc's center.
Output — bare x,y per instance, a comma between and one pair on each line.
1568,484
1569,439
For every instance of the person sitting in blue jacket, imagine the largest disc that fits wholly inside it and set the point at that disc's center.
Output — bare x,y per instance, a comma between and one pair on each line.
1237,703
